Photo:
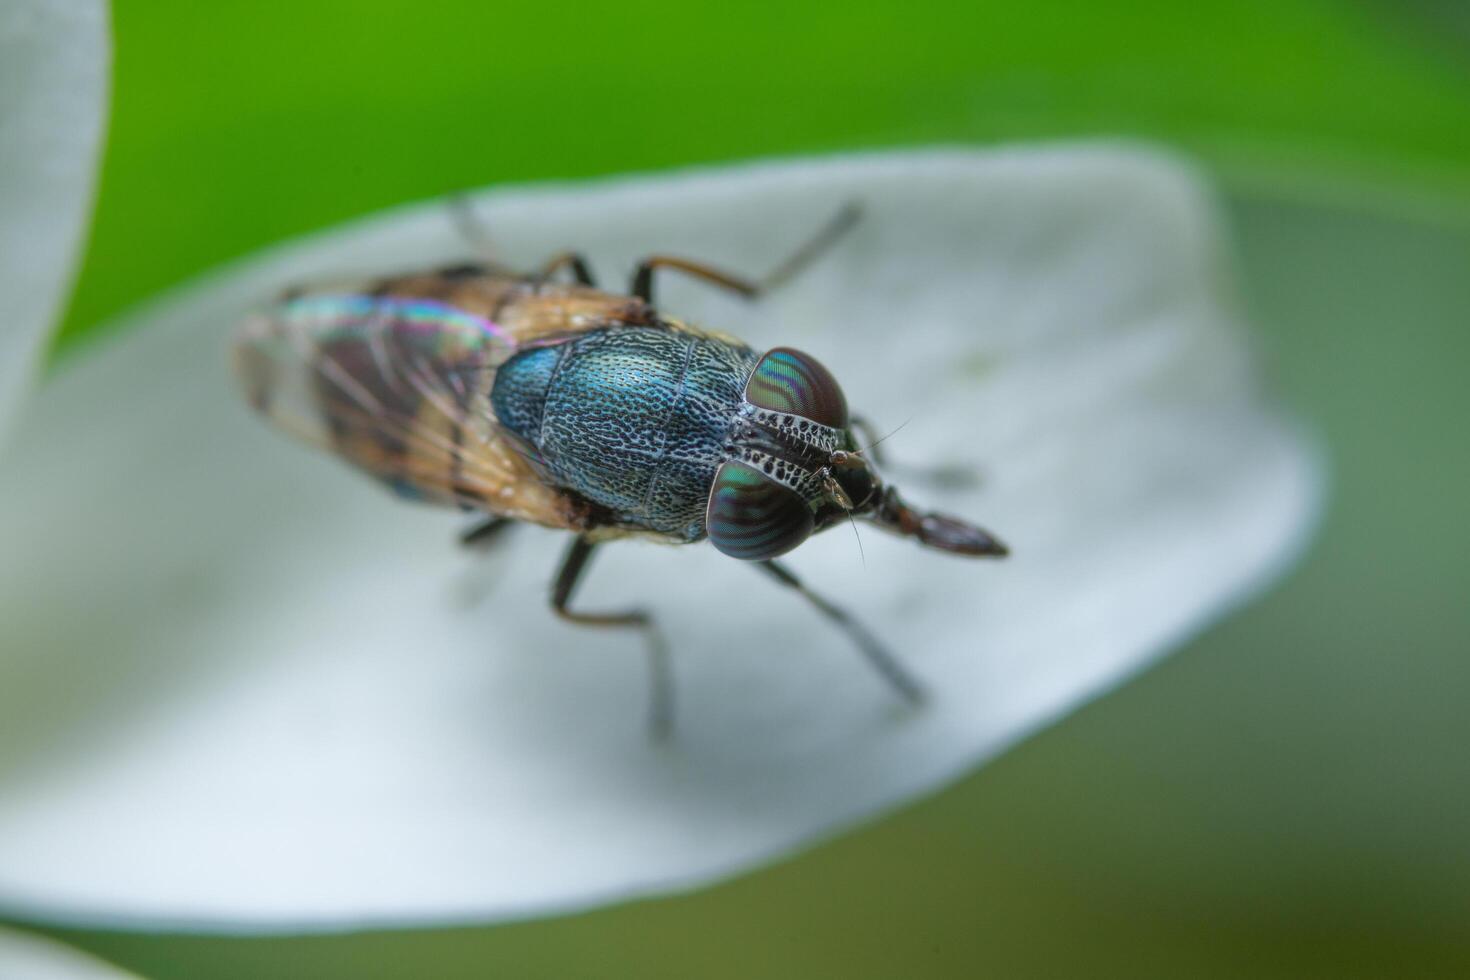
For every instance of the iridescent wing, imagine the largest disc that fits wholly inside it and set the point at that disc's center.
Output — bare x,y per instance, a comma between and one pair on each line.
396,377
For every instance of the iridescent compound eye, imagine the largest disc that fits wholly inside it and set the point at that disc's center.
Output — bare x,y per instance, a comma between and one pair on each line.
752,517
789,381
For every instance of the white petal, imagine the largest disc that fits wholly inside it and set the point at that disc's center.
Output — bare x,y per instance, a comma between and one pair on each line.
28,957
246,689
54,58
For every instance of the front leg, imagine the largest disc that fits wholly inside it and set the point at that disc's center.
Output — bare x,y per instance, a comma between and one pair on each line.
949,476
887,666
661,689
864,427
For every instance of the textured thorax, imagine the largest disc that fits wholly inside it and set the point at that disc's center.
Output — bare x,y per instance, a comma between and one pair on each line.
634,419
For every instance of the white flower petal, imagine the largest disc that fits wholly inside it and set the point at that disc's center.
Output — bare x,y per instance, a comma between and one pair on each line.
53,95
246,689
24,956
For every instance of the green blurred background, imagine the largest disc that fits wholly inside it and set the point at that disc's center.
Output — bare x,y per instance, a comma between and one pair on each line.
1290,795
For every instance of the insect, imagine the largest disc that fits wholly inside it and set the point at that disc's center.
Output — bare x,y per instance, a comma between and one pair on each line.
532,398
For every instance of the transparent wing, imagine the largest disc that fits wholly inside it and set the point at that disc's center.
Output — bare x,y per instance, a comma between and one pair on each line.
398,386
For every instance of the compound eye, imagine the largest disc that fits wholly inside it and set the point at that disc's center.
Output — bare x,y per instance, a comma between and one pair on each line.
789,381
752,517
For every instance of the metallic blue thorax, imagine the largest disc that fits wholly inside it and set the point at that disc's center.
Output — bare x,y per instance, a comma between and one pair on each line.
632,418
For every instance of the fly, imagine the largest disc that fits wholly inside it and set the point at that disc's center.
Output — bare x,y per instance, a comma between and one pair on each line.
528,398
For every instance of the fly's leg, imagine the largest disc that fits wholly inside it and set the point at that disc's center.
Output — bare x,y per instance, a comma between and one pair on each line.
804,256
469,226
950,477
893,672
661,689
472,230
581,271
486,534
482,537
864,428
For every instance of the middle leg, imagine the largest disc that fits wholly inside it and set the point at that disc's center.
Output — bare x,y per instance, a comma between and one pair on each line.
661,689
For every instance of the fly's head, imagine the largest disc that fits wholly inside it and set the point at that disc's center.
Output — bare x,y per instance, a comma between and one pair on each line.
793,468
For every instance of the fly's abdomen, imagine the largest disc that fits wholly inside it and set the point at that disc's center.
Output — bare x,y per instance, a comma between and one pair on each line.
631,418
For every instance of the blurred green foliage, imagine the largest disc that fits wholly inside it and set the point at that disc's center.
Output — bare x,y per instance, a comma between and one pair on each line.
237,124
1287,797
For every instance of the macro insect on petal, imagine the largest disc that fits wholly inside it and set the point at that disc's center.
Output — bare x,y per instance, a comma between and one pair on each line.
526,398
